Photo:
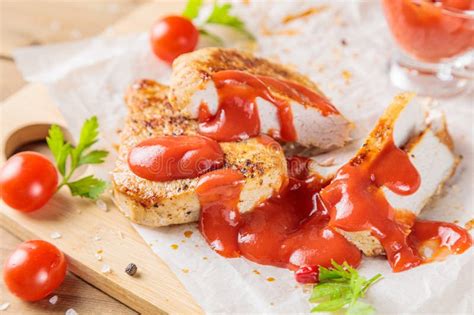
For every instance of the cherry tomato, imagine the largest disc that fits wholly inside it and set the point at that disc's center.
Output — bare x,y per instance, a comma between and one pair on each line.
173,36
27,181
34,270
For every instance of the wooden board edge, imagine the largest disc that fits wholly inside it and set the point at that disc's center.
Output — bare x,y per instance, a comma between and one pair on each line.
50,115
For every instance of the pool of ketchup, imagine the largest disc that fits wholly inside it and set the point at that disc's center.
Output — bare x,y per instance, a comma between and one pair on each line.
237,116
297,227
288,230
425,31
356,202
175,157
436,240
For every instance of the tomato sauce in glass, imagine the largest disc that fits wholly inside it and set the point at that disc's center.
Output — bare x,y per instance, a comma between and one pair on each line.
237,116
426,31
175,157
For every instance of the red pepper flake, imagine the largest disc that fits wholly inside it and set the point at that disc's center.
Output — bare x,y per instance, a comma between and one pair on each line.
270,279
185,270
303,14
174,246
188,234
255,271
307,274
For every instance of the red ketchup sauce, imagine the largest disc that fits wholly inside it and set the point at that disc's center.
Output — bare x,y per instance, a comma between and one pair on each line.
175,157
297,228
288,230
428,32
436,240
237,117
356,202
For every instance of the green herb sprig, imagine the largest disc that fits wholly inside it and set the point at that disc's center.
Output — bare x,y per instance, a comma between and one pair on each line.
219,15
340,288
69,158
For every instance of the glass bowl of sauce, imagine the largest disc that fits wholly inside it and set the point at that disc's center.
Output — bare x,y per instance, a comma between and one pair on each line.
436,41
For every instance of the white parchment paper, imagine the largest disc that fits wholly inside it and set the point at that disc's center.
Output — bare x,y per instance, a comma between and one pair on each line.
89,78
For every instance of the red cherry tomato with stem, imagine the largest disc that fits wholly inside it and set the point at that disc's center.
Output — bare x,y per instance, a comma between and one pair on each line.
27,181
34,270
173,36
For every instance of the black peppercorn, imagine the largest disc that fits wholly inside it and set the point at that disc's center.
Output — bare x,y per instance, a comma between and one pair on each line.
131,269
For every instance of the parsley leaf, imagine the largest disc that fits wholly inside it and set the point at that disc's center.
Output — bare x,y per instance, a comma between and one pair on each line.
90,186
214,37
192,9
220,15
55,140
331,305
58,147
89,134
339,288
360,308
332,289
93,157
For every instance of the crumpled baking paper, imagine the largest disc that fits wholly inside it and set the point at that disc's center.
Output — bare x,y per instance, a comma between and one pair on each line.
345,47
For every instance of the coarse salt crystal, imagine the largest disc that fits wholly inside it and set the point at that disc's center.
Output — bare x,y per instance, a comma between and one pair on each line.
55,235
97,238
98,257
53,300
4,306
71,311
101,205
105,269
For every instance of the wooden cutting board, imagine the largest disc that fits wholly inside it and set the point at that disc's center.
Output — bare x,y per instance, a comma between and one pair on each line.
87,230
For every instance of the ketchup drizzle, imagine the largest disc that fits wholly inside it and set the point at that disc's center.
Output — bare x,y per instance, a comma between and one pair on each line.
356,203
288,230
175,157
237,117
297,228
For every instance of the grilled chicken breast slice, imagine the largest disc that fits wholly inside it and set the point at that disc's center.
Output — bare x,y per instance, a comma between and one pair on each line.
406,120
429,149
174,202
192,85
